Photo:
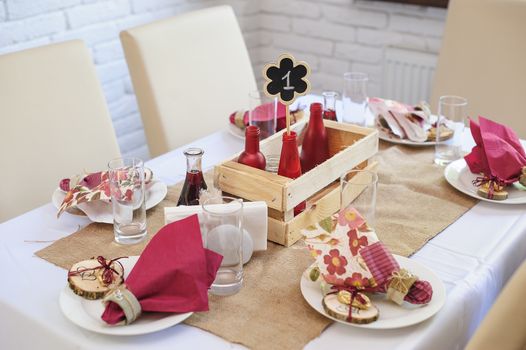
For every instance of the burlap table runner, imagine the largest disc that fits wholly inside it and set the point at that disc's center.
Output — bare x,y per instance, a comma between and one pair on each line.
414,203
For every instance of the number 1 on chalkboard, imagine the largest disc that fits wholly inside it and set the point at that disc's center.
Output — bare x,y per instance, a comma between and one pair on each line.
287,76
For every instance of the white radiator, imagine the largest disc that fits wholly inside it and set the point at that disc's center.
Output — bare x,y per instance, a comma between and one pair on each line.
408,75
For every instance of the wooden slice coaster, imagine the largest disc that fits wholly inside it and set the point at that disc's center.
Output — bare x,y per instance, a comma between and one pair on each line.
334,308
445,134
497,195
89,284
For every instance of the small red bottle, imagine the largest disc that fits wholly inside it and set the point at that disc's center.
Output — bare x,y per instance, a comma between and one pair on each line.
289,163
252,156
194,181
329,103
315,146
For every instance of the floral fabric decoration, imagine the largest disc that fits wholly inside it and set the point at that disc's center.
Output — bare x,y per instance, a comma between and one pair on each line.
93,187
335,243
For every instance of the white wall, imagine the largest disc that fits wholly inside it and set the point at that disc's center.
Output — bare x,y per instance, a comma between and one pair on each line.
333,36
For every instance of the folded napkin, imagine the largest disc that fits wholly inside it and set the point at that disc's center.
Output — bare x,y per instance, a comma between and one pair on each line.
88,188
173,273
498,153
349,256
255,220
401,120
264,113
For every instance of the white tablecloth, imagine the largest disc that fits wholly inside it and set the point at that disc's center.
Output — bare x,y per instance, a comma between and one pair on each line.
474,257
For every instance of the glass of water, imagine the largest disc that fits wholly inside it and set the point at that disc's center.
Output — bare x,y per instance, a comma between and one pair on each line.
223,234
354,98
358,188
126,177
452,111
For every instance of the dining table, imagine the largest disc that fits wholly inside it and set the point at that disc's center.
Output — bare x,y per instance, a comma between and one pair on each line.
474,257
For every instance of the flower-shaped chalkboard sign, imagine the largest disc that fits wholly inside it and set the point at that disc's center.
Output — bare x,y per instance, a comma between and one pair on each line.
287,79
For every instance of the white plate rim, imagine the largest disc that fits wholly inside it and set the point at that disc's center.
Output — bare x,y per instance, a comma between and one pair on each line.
397,141
426,311
72,309
454,170
58,196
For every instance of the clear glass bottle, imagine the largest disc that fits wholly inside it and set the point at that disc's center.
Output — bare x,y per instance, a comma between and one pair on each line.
194,181
329,105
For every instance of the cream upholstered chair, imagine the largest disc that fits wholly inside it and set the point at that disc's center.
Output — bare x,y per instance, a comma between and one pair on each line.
54,123
504,327
189,73
483,58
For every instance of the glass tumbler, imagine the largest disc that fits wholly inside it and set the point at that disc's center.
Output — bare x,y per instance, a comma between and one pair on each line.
354,98
223,234
126,178
452,111
358,188
262,112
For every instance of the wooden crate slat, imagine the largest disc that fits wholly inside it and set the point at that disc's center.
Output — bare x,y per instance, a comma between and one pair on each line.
322,205
249,186
313,181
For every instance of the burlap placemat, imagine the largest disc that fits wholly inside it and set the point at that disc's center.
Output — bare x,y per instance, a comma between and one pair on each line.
414,203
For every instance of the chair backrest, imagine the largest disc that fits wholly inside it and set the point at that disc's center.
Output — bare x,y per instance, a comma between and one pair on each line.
189,73
504,327
483,58
54,123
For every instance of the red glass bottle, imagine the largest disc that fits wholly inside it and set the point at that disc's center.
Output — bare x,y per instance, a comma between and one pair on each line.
329,103
194,181
315,146
289,163
251,156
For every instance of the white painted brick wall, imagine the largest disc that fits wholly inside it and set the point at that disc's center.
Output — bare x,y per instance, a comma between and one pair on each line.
333,36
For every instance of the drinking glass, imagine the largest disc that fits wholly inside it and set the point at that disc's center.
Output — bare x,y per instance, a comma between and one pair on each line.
262,112
451,115
126,178
223,234
358,188
354,98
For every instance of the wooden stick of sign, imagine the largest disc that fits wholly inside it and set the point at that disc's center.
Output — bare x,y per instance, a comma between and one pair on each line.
287,79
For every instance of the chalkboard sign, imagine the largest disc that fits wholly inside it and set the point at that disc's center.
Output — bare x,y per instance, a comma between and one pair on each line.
287,79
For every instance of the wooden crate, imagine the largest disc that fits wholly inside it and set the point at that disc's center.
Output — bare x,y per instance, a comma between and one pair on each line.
349,146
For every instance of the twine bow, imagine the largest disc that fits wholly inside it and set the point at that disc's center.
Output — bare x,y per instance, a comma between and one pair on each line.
355,294
105,265
493,183
399,285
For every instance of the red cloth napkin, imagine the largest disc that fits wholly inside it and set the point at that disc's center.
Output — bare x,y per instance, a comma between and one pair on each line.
498,151
173,273
382,264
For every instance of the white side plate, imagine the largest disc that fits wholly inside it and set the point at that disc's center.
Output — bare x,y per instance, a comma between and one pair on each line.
100,211
391,315
458,175
86,313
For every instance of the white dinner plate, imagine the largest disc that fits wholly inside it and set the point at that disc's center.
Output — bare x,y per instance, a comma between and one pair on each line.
101,211
391,315
458,175
86,313
382,135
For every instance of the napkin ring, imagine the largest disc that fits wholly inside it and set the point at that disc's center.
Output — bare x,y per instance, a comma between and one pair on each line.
123,297
399,285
